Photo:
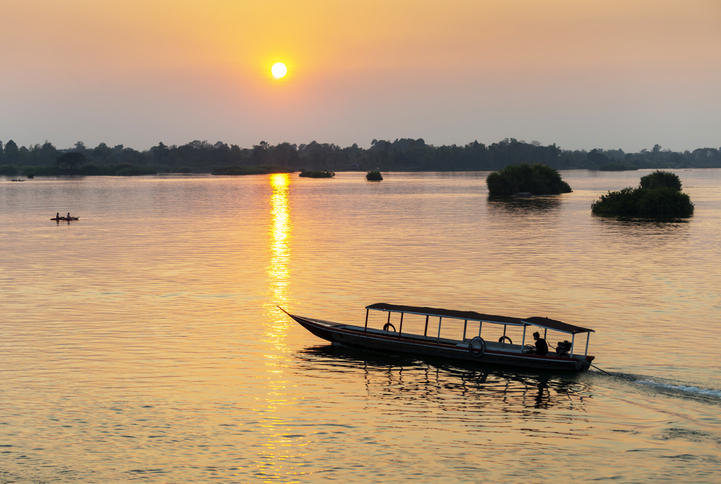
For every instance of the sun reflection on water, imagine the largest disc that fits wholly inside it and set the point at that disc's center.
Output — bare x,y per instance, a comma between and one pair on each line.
274,459
279,242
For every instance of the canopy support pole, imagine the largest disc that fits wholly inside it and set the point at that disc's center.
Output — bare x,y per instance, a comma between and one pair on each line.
366,328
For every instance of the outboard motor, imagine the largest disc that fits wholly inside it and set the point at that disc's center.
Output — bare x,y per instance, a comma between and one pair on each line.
563,348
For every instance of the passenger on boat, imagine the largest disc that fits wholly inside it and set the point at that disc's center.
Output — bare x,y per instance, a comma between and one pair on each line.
541,345
563,348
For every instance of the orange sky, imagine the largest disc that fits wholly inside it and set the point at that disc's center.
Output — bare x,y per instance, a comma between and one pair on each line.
579,73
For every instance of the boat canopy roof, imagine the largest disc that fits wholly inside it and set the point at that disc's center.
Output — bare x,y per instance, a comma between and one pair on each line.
474,316
447,313
557,325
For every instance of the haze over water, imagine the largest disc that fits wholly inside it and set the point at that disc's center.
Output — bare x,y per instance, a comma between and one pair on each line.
144,343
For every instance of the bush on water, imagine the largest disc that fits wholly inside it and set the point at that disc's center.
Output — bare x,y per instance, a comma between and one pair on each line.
374,176
316,174
614,166
659,196
535,179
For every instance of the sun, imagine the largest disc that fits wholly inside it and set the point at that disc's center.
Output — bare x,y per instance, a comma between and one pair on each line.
279,70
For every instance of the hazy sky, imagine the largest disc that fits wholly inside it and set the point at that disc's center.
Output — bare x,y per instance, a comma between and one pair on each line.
579,73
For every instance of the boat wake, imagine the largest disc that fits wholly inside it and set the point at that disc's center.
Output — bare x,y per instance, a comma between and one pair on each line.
692,390
669,388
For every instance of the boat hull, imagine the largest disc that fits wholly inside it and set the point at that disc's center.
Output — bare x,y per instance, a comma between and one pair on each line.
390,342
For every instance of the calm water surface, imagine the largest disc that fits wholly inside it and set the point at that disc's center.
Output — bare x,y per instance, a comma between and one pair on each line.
143,342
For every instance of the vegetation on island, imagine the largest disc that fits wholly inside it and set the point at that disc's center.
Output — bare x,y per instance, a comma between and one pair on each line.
250,170
658,196
74,163
403,154
614,166
122,169
316,174
523,178
374,176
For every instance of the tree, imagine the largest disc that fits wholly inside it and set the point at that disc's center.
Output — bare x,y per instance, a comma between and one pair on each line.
102,153
70,160
12,153
659,179
48,152
160,153
596,158
285,154
258,155
321,155
131,157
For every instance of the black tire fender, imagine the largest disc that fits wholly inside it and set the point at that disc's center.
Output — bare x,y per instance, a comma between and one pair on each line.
477,346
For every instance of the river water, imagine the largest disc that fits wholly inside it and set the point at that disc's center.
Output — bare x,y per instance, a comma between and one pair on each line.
143,343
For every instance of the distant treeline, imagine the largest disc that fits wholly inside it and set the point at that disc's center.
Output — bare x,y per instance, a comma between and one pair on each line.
400,155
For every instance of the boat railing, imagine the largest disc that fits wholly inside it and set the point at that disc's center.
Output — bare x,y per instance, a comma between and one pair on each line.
409,336
492,345
471,321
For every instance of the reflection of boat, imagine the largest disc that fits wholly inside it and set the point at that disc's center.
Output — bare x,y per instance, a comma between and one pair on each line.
467,346
394,377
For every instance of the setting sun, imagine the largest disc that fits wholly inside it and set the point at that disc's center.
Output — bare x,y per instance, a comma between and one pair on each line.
279,70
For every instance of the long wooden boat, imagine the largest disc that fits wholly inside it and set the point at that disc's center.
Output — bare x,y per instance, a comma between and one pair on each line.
474,343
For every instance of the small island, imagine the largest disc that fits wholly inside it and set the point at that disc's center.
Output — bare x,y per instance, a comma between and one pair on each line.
374,176
659,196
613,166
316,174
526,180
